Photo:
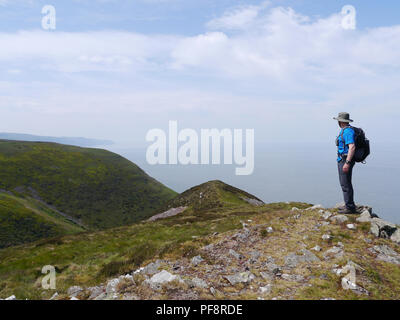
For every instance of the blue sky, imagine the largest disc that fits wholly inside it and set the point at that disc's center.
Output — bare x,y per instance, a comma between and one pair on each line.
117,68
172,16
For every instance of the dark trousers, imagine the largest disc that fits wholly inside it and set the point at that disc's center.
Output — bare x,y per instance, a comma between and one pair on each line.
347,187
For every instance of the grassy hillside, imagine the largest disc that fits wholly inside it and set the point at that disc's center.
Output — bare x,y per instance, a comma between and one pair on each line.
25,220
96,187
285,251
88,259
211,195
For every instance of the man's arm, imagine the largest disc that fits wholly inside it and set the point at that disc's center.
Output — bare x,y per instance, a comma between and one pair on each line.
350,155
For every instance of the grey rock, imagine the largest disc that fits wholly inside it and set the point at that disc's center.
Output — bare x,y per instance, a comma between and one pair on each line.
102,296
374,230
234,254
395,237
242,277
213,291
326,237
242,235
355,265
295,209
348,284
326,215
170,213
270,265
255,255
266,289
334,252
270,230
362,208
253,202
308,256
340,218
315,207
151,268
208,247
11,298
162,277
95,292
317,248
382,229
364,217
266,275
111,296
74,291
197,283
111,286
351,226
292,259
130,297
386,254
292,277
197,260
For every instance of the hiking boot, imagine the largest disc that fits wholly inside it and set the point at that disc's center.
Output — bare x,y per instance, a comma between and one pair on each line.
347,211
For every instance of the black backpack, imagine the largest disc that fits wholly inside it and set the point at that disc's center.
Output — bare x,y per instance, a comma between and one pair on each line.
361,143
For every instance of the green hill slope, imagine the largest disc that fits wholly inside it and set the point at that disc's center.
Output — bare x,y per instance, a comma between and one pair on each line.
89,258
248,251
96,187
212,195
25,220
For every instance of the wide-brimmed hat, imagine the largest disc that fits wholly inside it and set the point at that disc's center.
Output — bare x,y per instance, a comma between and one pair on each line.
343,117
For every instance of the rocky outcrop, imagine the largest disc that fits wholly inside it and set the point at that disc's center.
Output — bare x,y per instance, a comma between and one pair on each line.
277,259
379,227
340,218
169,213
254,202
242,277
385,253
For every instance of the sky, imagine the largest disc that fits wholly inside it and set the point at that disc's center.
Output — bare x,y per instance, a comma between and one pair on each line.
114,69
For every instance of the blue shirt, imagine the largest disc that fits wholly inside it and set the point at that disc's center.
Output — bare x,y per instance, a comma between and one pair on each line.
348,138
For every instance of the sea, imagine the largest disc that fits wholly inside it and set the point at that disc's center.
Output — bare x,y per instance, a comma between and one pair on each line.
292,172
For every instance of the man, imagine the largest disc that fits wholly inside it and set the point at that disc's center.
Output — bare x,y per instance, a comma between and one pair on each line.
346,149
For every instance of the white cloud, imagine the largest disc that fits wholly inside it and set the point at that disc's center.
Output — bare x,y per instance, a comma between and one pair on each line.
278,44
284,44
239,17
263,61
72,52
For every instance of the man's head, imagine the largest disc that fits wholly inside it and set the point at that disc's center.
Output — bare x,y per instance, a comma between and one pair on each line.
343,119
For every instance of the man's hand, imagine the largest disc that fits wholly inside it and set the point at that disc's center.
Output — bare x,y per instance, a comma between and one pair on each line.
346,168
